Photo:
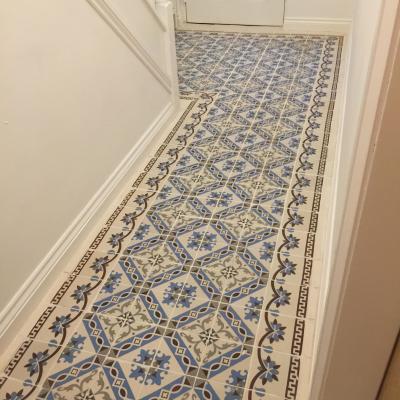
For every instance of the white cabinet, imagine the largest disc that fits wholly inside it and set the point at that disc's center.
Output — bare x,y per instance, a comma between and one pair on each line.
240,12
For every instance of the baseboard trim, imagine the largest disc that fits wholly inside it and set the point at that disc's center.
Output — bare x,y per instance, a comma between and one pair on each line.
32,285
291,26
318,24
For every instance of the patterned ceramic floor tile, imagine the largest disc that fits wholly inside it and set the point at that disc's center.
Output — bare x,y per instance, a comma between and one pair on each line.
292,270
272,373
93,377
284,334
16,389
56,325
200,285
292,300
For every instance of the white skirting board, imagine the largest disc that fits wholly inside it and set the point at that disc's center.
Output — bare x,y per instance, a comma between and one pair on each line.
329,214
300,26
79,234
318,24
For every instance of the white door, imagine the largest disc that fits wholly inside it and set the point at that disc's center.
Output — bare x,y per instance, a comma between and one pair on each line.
239,12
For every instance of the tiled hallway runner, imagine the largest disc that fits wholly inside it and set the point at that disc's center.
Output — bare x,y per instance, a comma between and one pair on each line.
198,285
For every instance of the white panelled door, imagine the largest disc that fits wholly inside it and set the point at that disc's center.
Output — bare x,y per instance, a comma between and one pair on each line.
238,12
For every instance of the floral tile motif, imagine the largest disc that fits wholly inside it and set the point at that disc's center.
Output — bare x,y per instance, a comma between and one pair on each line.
292,300
294,243
200,285
285,269
271,371
279,333
16,389
94,264
77,292
230,277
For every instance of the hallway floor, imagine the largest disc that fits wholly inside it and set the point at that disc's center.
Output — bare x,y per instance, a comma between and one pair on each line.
203,284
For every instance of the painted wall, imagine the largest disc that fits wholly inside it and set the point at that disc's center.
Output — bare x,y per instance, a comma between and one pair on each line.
319,9
74,100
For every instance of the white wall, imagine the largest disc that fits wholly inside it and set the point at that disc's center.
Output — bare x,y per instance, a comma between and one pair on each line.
74,101
319,9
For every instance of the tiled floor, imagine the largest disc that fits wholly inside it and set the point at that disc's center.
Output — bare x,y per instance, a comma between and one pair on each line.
200,284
